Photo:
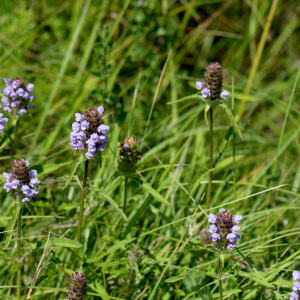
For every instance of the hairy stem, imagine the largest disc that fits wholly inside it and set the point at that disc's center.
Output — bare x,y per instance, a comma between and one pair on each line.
86,167
211,156
220,279
12,152
125,203
19,283
125,282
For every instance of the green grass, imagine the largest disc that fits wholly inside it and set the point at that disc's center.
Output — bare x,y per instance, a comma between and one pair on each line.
155,53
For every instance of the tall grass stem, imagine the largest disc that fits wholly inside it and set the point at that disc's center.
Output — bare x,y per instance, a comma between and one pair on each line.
220,278
125,203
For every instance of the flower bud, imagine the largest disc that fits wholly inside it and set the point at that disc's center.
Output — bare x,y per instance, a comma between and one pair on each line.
89,133
77,286
296,286
129,156
20,181
133,257
224,232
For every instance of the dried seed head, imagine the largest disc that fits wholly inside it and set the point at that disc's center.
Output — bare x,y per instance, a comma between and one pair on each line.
224,231
77,286
129,156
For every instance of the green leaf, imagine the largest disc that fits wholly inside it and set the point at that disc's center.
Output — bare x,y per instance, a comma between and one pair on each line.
111,263
78,161
194,280
63,243
11,225
4,255
111,201
232,118
206,109
191,97
156,195
174,279
198,181
255,278
172,163
98,157
110,250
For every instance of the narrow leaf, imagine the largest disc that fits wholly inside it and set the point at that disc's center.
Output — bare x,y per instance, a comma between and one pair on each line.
73,170
63,243
4,255
156,195
195,96
11,225
223,145
232,118
206,109
111,201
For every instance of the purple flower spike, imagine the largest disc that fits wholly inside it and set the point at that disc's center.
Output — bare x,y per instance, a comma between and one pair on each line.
205,92
88,133
21,181
224,231
17,96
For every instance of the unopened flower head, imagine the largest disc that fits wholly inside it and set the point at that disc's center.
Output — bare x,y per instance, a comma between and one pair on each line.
77,286
204,236
89,133
296,286
211,88
17,96
21,182
224,231
129,156
133,257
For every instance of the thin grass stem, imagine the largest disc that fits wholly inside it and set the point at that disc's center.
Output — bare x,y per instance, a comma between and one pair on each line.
125,204
19,253
220,278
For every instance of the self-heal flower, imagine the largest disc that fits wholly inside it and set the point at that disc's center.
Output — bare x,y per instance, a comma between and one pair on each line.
21,181
17,96
199,85
296,286
224,231
205,92
77,286
3,122
88,132
224,94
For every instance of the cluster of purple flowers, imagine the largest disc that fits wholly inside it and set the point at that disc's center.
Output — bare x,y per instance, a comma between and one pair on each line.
20,181
224,230
17,96
3,121
88,132
206,92
296,286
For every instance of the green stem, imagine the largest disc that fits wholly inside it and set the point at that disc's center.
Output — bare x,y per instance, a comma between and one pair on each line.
220,278
12,152
86,167
211,156
125,282
125,203
19,253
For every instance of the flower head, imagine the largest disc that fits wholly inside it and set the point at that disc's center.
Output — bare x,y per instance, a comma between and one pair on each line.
88,133
129,156
224,231
21,181
77,286
17,96
212,86
296,286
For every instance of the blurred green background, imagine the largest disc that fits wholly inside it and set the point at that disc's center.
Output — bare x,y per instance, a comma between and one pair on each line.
133,58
